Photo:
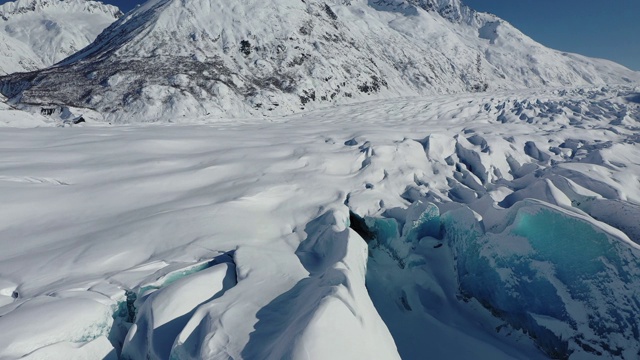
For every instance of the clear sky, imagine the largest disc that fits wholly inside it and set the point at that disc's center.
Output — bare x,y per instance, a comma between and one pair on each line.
608,29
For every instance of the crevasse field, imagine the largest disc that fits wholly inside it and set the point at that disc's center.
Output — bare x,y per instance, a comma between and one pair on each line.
486,226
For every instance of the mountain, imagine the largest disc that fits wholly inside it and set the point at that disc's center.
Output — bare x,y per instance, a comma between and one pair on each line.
38,33
169,59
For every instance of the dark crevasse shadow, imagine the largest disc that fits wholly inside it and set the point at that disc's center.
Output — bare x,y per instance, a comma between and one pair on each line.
283,320
112,355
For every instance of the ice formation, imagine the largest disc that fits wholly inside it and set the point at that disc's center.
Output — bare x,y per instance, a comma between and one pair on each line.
566,281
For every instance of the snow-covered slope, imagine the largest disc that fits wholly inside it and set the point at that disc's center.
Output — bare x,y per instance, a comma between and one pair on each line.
499,226
173,58
38,33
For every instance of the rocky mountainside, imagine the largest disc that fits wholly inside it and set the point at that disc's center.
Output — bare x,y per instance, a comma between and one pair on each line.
169,59
39,33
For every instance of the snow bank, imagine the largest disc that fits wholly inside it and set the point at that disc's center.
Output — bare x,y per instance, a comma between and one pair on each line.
164,313
54,326
14,118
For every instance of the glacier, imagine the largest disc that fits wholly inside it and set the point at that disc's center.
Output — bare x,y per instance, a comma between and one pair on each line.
388,179
564,280
389,229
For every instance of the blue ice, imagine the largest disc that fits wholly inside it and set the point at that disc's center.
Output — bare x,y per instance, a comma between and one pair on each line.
560,278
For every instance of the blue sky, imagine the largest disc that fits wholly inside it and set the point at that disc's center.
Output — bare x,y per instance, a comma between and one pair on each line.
608,29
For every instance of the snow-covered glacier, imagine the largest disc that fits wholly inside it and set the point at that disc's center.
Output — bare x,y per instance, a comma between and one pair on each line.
284,179
563,279
500,225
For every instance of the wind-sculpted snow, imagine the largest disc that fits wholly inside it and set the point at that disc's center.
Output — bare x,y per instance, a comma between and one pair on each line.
171,59
501,224
165,313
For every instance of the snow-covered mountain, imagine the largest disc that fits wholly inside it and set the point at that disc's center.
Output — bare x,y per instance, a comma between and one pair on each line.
170,59
15,56
38,33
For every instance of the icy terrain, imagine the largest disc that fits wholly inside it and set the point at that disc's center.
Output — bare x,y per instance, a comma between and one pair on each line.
496,225
175,58
35,34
